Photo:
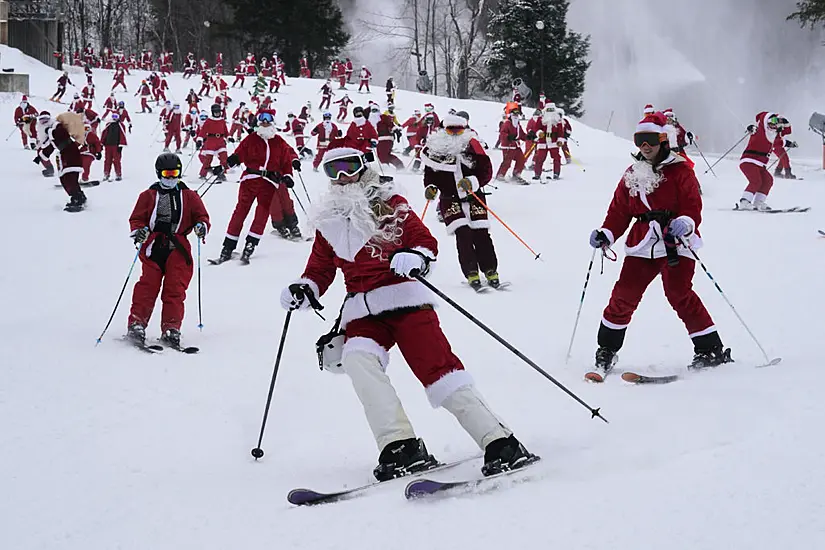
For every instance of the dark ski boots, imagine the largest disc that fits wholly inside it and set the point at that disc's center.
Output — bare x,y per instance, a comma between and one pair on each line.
248,249
710,358
403,457
474,280
505,454
283,231
295,233
605,359
492,278
136,333
171,337
226,254
76,202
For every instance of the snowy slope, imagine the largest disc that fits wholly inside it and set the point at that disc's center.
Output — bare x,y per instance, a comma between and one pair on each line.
107,448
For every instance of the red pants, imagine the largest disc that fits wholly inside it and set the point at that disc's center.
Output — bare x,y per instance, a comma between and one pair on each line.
349,76
121,83
385,155
252,190
759,179
174,276
236,129
172,135
281,207
364,83
274,85
206,163
638,273
144,104
541,155
112,157
316,162
204,91
511,155
342,82
325,102
87,165
342,113
159,95
784,162
429,363
238,78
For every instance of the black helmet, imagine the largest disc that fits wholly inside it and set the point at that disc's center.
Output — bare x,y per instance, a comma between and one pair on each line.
463,114
216,110
358,111
167,161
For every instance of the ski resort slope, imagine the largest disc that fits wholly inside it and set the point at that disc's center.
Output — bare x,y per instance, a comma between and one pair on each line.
106,447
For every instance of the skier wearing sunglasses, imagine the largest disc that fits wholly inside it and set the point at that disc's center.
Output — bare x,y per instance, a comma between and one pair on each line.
659,195
365,228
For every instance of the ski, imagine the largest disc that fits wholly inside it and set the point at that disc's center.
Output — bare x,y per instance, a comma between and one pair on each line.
501,286
821,232
596,377
421,488
309,497
90,183
479,289
635,378
218,261
69,208
142,346
189,350
797,209
772,362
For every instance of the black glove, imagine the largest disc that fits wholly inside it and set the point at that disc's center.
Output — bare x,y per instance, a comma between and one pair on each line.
200,230
98,156
296,165
140,235
287,180
230,139
598,239
19,124
512,137
36,159
192,133
217,170
531,136
198,145
790,144
373,143
689,135
751,129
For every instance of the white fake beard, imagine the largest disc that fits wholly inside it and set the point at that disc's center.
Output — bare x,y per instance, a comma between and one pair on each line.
642,178
266,132
327,128
375,118
359,120
446,146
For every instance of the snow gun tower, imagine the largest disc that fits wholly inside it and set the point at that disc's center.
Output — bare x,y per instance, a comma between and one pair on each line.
817,124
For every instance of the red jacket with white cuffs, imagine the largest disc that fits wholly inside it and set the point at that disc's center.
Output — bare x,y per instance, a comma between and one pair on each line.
677,192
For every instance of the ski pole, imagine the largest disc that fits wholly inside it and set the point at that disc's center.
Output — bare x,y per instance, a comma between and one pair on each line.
581,304
191,156
704,159
487,208
426,206
297,198
122,290
200,307
705,269
594,412
257,452
726,152
12,133
208,187
300,177
579,164
785,154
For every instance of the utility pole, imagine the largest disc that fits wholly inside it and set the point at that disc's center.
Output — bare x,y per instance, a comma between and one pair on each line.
540,27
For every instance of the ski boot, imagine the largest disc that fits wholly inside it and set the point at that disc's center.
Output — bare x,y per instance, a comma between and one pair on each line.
283,231
556,176
713,357
32,146
788,174
248,249
605,359
177,151
536,178
295,232
226,254
474,280
118,178
403,457
778,173
492,278
761,206
76,202
136,333
221,178
48,172
166,150
106,177
744,204
518,180
505,454
171,337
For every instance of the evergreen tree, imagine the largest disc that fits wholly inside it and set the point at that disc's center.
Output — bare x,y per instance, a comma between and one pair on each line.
809,12
520,50
290,28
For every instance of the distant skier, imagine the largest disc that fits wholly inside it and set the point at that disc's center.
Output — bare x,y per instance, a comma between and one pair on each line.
62,136
62,81
25,118
754,161
365,78
781,144
113,139
163,217
211,141
510,134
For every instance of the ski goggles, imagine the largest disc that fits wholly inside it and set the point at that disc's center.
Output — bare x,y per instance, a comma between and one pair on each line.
174,173
347,166
454,130
266,117
651,138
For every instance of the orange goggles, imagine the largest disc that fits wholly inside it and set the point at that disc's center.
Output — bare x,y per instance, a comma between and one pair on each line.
454,130
170,173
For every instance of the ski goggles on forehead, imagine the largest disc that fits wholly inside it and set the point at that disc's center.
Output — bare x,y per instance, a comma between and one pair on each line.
266,117
170,173
651,138
347,166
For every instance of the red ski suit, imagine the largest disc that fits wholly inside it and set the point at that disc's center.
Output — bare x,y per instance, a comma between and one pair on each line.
27,129
754,160
89,152
325,131
509,136
166,256
361,132
212,134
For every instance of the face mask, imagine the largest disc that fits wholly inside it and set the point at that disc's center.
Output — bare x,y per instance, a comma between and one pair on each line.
168,183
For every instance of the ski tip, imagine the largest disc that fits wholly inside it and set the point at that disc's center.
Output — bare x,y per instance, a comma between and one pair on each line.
594,377
631,377
772,362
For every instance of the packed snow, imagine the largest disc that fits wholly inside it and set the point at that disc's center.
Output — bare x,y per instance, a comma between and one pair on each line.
106,447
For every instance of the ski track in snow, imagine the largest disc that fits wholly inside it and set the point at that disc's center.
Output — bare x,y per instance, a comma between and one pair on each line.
108,448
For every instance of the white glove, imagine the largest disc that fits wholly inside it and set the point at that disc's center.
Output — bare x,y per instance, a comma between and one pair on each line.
292,298
404,263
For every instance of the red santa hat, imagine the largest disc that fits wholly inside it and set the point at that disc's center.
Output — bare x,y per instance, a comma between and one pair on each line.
429,107
25,98
649,110
339,148
653,123
668,113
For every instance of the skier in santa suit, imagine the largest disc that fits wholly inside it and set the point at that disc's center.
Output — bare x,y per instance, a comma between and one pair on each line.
172,127
219,63
538,132
160,223
542,103
780,143
113,139
123,114
343,104
240,74
325,131
269,161
658,192
326,96
304,67
211,141
456,165
361,133
53,135
77,102
89,116
510,134
427,127
386,130
160,90
119,79
90,151
365,77
568,130
677,136
145,93
305,113
296,126
754,161
190,126
411,124
531,129
380,244
551,142
349,70
109,105
62,81
25,118
88,94
429,110
266,68
235,131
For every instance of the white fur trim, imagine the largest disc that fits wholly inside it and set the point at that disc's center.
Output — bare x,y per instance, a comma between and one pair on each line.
753,161
609,234
426,251
386,298
367,345
644,127
708,330
442,388
340,152
453,121
458,223
613,326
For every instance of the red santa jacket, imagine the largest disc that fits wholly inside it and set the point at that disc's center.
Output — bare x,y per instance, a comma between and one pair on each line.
92,145
326,90
445,175
365,74
173,122
144,90
361,134
510,133
190,210
411,124
677,192
19,113
57,138
213,134
760,143
375,289
257,154
385,126
325,131
779,141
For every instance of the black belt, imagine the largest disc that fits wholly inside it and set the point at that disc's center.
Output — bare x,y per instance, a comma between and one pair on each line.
274,176
661,216
678,149
760,153
215,135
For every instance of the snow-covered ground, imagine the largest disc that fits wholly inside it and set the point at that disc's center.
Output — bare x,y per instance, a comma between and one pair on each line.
105,447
